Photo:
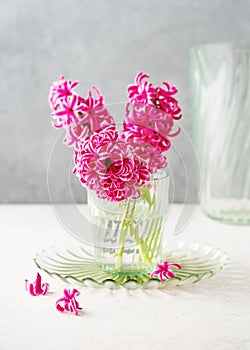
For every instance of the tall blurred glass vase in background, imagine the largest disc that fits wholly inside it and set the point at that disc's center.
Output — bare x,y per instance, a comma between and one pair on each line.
220,88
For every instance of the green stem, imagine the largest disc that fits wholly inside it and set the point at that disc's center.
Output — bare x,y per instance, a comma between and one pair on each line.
123,234
144,252
147,246
153,246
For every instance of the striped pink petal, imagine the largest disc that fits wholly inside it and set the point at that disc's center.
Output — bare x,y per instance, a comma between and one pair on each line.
68,302
164,270
37,287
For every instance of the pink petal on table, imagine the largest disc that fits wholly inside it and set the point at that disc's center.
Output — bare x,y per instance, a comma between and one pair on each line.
164,270
37,287
68,302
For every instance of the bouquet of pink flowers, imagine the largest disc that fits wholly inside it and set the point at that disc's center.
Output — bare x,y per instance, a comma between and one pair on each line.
120,167
116,165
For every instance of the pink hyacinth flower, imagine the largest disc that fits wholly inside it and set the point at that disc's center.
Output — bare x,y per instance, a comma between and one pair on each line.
37,287
61,89
93,111
80,117
164,270
151,116
147,153
144,93
68,302
68,112
107,164
147,135
167,102
75,134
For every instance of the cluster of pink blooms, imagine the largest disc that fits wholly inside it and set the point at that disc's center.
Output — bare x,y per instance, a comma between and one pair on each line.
114,164
150,115
107,164
79,116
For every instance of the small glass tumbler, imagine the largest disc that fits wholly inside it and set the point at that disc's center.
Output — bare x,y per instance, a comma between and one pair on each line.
220,89
129,234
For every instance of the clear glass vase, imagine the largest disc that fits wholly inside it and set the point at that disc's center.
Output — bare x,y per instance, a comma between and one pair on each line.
220,86
129,234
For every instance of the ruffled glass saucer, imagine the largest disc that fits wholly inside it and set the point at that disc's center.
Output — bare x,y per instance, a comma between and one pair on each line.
77,265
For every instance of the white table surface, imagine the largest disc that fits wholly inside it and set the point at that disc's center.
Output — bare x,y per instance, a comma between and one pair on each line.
213,314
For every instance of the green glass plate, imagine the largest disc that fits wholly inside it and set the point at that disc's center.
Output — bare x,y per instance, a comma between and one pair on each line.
77,265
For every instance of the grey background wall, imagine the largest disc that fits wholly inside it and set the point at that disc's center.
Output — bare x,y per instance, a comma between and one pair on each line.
103,43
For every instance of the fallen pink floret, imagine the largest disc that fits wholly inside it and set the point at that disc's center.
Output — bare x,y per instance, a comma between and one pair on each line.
68,302
37,287
164,270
